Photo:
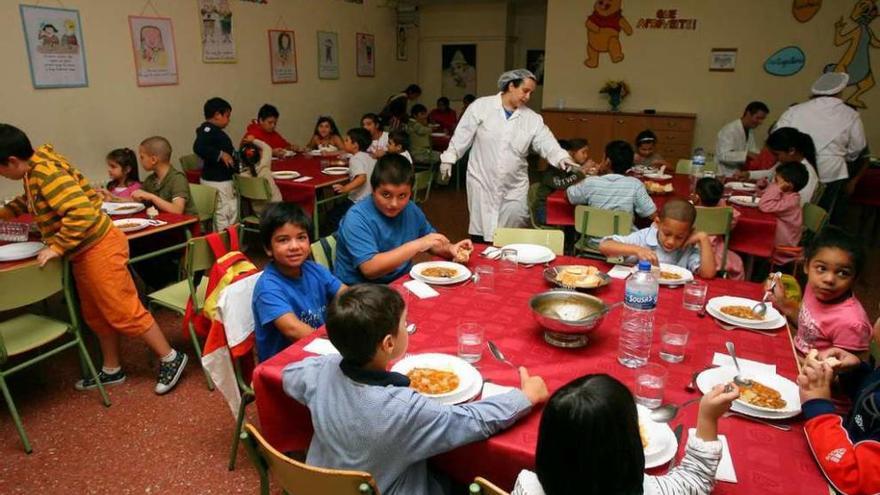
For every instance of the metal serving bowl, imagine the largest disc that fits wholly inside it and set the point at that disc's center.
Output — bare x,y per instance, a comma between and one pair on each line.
567,316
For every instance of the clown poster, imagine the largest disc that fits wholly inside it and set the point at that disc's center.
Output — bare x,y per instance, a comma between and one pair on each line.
55,47
152,40
282,56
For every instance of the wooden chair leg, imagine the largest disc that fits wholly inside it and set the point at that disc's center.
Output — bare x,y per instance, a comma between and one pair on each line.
15,417
85,358
198,350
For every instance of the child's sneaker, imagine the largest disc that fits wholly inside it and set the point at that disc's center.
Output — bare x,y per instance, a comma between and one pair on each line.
169,373
106,379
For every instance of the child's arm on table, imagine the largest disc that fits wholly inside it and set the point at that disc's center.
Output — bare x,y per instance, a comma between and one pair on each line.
386,262
611,248
353,184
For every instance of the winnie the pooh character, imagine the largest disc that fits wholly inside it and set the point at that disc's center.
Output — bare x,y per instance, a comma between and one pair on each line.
603,32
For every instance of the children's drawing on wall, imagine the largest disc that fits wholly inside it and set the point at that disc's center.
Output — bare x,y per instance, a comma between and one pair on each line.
459,75
55,46
218,44
858,39
152,39
603,32
804,10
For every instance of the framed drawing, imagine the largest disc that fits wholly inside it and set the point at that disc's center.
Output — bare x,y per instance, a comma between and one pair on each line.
155,55
218,42
55,49
458,71
282,56
328,55
722,60
366,55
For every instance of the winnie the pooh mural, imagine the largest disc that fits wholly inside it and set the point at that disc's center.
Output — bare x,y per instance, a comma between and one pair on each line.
603,32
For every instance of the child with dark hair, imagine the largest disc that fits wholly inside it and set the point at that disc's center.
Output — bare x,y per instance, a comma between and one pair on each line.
708,194
782,199
360,166
264,129
787,144
466,102
646,151
398,144
214,147
443,116
398,429
671,240
379,236
598,410
379,138
554,179
420,137
325,136
122,167
293,292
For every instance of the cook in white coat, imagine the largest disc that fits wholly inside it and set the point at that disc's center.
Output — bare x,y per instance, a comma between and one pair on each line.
501,129
736,140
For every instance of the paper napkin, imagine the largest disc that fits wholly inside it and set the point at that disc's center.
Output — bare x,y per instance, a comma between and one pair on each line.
302,179
420,289
320,346
491,252
746,364
490,389
725,466
620,272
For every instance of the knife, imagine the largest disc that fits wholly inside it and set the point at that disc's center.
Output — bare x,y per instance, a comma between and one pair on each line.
677,432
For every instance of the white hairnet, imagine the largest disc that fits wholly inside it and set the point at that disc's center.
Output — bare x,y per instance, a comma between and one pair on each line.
513,75
830,83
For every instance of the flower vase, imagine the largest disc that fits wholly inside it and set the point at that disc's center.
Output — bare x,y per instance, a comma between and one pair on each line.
614,99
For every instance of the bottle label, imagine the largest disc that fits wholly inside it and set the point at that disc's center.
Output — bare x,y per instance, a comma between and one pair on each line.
637,300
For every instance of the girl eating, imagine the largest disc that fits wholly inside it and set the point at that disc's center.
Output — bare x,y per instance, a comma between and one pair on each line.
646,151
122,167
326,134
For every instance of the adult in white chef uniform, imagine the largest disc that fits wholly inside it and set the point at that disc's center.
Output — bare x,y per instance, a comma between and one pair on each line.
501,129
837,132
736,140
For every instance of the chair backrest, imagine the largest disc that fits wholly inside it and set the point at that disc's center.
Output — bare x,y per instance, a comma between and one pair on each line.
683,166
716,221
814,217
423,182
29,283
817,194
295,477
205,199
486,487
252,188
551,239
532,202
199,256
596,222
324,251
190,162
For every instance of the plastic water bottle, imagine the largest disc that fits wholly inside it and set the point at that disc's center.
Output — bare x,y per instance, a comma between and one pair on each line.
640,300
698,163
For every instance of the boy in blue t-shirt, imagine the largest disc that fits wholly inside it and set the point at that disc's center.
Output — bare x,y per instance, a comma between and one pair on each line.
291,297
380,235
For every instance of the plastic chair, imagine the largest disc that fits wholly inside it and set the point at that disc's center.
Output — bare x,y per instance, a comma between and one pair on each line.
205,199
533,206
551,239
26,332
482,486
817,194
592,222
197,259
683,166
716,221
247,396
423,183
324,251
190,162
250,189
815,218
296,477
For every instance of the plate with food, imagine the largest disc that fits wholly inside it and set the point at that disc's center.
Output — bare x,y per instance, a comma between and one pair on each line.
658,188
335,171
658,440
742,186
122,208
440,272
531,253
286,174
670,275
657,176
747,201
131,224
446,378
738,311
770,396
576,276
20,250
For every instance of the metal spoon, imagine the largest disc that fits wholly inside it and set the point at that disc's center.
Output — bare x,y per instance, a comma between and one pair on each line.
738,379
734,327
667,412
760,309
496,353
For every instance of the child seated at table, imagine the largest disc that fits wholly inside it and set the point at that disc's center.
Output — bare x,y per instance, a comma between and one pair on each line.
397,429
782,199
263,128
378,137
326,135
360,166
613,189
787,144
597,410
398,144
554,179
829,314
420,137
214,147
708,194
671,240
122,167
646,151
443,116
379,236
68,213
292,294
166,187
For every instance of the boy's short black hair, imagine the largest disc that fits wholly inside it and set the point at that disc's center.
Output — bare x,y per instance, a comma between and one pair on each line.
468,98
360,318
417,109
837,238
679,209
795,173
216,105
400,137
14,143
277,215
710,190
361,137
372,116
621,155
443,101
757,106
392,169
413,89
573,144
267,111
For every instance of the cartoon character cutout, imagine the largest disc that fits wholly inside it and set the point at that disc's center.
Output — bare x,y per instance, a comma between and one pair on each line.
69,39
856,60
603,32
48,36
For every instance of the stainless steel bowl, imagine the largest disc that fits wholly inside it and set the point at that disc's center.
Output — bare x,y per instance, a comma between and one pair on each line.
567,316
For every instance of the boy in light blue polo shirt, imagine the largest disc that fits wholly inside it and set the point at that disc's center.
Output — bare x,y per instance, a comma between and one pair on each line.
380,235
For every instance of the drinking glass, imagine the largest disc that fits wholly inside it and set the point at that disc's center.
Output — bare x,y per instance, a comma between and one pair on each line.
508,260
694,295
673,341
470,341
650,383
485,281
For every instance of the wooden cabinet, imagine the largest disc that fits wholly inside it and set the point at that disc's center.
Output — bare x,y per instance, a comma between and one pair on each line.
675,131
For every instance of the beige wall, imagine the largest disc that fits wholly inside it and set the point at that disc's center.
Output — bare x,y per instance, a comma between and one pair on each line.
668,70
528,30
85,123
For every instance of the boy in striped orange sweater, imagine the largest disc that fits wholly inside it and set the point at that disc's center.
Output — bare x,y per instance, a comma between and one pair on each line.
68,213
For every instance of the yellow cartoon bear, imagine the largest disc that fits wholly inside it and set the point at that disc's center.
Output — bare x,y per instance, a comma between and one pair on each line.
603,32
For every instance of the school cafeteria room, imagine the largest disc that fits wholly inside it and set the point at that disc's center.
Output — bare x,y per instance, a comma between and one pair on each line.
427,247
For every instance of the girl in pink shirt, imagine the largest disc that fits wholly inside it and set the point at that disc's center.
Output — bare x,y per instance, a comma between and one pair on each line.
122,167
782,199
708,193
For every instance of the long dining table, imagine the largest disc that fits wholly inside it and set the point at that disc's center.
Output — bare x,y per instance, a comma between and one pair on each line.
766,460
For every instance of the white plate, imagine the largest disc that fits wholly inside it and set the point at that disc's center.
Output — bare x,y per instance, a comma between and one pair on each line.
335,171
789,390
686,275
285,174
462,275
661,440
742,186
20,251
470,381
747,201
122,208
438,134
531,253
656,176
131,224
772,319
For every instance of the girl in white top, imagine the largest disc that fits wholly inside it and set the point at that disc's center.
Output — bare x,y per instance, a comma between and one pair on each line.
789,145
589,444
373,124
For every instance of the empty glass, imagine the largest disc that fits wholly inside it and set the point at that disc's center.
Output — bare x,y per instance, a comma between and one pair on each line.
673,341
485,278
470,341
508,260
694,295
650,384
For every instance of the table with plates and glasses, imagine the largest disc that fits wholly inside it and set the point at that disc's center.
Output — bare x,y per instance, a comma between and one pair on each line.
766,460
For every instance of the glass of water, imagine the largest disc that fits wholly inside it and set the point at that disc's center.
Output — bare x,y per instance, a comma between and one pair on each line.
650,383
470,341
508,260
694,296
485,278
673,341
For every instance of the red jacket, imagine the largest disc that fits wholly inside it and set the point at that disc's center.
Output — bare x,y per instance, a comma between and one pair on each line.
273,139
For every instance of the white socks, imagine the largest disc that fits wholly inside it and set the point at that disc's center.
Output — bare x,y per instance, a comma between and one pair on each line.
170,357
111,371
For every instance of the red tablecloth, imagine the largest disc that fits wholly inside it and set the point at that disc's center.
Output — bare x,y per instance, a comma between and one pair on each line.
866,192
754,233
766,460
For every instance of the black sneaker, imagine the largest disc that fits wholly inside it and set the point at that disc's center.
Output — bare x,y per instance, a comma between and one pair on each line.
106,379
169,373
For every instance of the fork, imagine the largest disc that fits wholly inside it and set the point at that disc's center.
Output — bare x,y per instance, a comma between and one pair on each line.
733,327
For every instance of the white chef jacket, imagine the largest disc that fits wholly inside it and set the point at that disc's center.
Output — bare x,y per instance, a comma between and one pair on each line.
808,190
837,133
497,172
732,146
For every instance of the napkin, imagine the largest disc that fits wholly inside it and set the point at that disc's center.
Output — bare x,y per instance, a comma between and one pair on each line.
302,179
620,272
321,347
725,466
491,389
490,252
747,365
157,223
420,289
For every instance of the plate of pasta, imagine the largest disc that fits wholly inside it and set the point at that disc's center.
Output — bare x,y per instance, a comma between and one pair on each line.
443,377
738,311
769,397
440,272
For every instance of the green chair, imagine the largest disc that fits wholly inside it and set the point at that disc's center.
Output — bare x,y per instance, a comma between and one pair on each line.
683,166
532,201
250,189
716,221
423,184
592,223
324,251
482,486
198,259
815,217
551,239
247,396
205,199
817,194
31,332
190,162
